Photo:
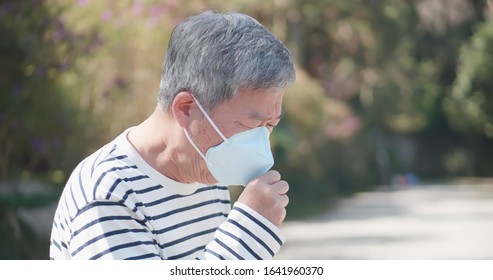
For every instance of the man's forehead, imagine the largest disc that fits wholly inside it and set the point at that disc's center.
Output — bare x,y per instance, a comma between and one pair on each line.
256,104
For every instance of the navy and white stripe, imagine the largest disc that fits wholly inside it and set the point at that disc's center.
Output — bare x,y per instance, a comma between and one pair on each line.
115,206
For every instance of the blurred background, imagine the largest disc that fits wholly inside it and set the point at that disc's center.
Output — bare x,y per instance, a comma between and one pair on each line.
393,98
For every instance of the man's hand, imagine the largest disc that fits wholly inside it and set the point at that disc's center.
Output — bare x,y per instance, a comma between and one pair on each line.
266,194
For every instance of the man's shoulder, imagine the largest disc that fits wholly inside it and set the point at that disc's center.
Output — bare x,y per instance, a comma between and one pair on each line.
110,170
108,156
103,168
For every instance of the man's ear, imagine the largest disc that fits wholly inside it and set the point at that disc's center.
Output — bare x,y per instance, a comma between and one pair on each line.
182,103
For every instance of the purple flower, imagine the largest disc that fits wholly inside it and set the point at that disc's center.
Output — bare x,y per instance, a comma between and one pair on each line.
38,145
106,16
56,141
41,71
8,7
83,2
63,65
137,7
156,11
13,124
17,90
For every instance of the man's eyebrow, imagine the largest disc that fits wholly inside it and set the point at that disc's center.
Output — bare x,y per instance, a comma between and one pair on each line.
258,116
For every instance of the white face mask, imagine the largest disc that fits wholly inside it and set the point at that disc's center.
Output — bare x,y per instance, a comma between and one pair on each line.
240,158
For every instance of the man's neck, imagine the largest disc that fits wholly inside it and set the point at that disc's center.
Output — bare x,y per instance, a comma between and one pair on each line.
155,141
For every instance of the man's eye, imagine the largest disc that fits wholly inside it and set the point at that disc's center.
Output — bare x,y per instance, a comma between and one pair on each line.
245,125
273,124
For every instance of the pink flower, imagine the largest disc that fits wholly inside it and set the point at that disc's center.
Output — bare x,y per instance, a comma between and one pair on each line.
83,2
106,16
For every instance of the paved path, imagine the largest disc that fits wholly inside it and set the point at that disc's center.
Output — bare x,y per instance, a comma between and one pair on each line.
427,222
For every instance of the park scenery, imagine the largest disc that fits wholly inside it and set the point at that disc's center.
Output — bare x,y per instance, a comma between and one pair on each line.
386,138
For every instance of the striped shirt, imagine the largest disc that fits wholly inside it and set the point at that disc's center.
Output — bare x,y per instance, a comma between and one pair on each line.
116,206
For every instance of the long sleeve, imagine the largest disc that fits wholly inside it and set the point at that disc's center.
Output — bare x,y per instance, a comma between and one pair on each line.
110,230
245,235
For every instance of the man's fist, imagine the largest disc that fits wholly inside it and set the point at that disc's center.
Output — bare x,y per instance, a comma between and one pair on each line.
266,194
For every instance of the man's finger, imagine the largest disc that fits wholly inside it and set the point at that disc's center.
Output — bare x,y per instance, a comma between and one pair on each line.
271,176
284,199
281,187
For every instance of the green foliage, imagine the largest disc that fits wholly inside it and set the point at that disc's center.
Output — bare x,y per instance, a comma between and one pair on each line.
39,116
470,104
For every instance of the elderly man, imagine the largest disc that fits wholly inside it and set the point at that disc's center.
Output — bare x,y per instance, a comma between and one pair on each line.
159,190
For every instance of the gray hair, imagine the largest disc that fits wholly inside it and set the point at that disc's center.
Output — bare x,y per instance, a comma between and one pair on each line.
215,55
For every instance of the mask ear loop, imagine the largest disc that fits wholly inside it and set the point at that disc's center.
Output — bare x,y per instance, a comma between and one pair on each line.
195,146
209,119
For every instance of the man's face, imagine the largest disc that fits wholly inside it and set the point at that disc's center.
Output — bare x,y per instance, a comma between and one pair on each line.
247,110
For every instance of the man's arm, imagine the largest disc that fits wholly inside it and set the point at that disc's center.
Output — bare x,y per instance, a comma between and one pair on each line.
251,231
110,230
245,235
